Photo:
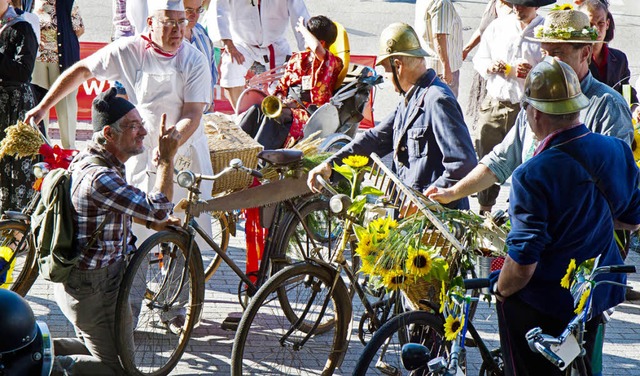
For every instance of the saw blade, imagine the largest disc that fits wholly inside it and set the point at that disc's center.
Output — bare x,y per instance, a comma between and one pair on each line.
261,195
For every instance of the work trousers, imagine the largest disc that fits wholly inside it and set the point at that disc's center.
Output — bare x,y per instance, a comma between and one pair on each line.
495,119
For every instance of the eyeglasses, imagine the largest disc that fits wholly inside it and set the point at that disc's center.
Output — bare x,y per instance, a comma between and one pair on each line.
191,10
134,126
173,23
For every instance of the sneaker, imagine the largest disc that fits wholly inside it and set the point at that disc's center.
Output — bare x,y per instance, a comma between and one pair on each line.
176,324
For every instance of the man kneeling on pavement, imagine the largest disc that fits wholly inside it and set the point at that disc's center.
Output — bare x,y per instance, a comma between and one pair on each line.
101,194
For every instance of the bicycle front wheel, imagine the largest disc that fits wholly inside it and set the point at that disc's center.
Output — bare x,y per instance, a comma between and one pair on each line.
159,303
268,343
382,355
18,270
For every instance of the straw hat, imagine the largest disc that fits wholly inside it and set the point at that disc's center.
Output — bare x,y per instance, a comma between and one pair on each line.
565,26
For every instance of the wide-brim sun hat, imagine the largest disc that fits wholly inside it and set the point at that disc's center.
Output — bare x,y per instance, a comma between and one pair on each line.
563,24
553,87
399,39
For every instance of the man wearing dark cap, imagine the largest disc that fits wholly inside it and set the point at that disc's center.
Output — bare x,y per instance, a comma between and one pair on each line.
105,204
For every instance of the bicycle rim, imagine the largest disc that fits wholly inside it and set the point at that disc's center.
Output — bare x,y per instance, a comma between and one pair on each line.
150,296
18,271
260,346
220,235
382,355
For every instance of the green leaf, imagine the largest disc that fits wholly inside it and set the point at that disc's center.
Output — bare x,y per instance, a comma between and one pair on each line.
344,170
358,204
439,269
359,231
369,190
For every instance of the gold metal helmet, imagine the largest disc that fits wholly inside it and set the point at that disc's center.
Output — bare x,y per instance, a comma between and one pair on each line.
553,87
399,39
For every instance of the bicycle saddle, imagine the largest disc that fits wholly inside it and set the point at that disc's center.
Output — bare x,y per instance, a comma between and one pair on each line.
281,157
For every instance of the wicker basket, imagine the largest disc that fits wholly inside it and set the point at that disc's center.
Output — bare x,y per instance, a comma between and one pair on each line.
227,141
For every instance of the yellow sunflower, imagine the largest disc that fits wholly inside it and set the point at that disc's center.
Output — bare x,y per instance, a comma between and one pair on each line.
418,262
452,327
365,245
356,161
636,144
566,280
563,7
395,279
382,226
582,301
7,277
367,267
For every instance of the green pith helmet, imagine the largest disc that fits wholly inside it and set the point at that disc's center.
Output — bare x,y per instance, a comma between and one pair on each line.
553,87
399,39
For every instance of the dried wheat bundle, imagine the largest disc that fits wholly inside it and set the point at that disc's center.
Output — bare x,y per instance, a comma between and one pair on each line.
21,140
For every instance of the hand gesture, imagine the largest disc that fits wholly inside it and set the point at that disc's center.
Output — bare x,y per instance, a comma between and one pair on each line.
36,115
231,49
168,142
324,170
441,195
498,66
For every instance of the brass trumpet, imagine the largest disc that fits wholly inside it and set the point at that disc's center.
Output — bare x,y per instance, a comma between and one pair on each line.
271,106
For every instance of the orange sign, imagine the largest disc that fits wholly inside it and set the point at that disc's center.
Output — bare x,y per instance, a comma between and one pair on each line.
91,88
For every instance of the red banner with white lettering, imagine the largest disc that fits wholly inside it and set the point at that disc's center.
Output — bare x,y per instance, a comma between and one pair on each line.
91,88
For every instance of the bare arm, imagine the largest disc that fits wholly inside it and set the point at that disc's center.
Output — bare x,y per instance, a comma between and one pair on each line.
65,84
310,40
514,276
473,42
480,178
189,120
440,44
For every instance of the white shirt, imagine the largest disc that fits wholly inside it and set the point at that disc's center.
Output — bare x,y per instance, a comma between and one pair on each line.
440,17
504,39
242,22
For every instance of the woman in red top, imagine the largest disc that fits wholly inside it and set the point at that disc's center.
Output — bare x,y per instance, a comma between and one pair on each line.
308,81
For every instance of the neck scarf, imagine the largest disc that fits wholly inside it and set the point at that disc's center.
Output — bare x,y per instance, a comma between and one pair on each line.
156,48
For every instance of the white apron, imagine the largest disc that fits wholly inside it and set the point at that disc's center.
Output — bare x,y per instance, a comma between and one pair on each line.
159,88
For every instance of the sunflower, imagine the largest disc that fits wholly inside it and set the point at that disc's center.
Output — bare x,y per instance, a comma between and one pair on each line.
453,327
356,161
418,262
583,301
365,245
636,144
367,267
566,280
395,279
382,226
6,278
443,296
563,7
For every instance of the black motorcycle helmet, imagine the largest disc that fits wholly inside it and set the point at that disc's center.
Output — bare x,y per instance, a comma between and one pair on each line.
25,345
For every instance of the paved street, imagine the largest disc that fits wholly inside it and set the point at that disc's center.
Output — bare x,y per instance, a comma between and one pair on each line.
209,350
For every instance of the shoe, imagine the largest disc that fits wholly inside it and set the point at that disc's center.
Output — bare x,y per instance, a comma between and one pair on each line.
176,324
632,295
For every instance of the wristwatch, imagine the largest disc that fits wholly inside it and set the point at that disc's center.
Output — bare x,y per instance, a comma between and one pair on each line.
496,292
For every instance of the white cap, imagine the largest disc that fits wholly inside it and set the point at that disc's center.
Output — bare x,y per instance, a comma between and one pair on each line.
155,5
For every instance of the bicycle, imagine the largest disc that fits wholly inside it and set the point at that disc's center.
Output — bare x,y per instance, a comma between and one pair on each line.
318,327
166,275
566,351
415,343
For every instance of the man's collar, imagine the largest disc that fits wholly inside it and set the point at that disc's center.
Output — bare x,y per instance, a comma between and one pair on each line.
95,148
423,81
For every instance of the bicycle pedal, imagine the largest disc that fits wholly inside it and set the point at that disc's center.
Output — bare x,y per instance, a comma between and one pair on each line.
230,323
470,342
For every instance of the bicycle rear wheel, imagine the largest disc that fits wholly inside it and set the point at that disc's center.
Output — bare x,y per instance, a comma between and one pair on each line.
155,289
220,234
268,343
18,270
382,355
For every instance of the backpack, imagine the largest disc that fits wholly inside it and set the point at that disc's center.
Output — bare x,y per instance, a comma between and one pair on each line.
52,226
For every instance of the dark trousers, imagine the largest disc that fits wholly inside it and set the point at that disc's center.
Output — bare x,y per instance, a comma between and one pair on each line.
268,132
516,318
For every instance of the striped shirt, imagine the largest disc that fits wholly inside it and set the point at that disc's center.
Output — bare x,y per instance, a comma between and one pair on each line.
200,40
440,17
100,192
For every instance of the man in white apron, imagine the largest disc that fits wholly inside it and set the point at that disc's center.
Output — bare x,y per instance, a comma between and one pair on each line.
160,75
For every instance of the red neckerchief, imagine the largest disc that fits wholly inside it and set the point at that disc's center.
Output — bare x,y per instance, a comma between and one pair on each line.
153,46
543,144
602,68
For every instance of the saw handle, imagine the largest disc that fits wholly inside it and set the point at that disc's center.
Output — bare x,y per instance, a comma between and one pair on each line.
325,184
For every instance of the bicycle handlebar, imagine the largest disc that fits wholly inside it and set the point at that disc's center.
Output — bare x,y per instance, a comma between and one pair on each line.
476,283
325,184
620,269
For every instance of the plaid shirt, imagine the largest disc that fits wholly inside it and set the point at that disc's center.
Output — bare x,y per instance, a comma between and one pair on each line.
100,192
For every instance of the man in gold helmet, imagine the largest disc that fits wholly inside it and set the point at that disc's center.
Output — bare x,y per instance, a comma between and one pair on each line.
426,132
564,203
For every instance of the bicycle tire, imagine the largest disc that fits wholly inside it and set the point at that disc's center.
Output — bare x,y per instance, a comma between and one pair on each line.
484,368
211,259
294,247
418,326
18,269
263,324
147,286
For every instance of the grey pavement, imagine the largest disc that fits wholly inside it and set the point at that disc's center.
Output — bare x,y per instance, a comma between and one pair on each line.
209,350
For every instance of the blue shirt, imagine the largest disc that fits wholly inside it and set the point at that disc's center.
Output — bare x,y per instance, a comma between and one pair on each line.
427,134
607,114
557,213
200,40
